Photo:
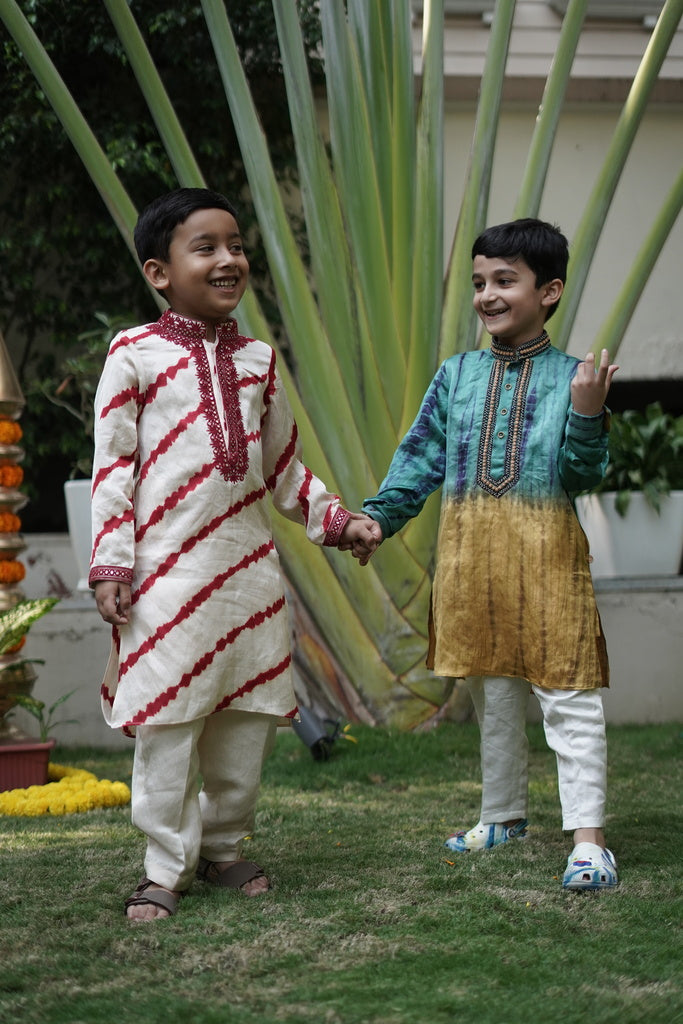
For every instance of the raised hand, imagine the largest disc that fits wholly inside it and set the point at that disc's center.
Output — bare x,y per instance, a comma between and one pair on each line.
590,386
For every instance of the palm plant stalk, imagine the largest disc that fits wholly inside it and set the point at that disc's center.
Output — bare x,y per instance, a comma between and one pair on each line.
538,158
364,310
86,145
595,213
169,128
459,319
614,328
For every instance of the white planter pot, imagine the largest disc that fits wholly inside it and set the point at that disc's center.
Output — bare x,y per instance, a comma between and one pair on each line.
641,543
77,498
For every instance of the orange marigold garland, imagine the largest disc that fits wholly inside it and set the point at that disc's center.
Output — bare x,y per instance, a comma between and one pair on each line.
9,523
11,476
11,571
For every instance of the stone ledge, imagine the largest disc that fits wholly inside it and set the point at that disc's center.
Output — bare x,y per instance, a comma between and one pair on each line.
640,584
641,617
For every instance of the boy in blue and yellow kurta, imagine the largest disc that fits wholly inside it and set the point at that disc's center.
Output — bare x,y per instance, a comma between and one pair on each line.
510,433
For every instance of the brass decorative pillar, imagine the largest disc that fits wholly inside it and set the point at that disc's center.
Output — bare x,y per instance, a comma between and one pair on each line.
16,675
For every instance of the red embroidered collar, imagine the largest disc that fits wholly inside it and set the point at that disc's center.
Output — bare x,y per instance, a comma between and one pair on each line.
229,444
181,329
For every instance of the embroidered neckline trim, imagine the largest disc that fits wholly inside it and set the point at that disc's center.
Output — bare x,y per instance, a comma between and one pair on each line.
175,327
230,454
525,351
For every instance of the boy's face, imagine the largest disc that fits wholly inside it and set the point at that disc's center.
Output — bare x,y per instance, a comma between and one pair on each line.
507,301
207,272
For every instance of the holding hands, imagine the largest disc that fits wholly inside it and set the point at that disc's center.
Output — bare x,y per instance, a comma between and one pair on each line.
590,386
361,536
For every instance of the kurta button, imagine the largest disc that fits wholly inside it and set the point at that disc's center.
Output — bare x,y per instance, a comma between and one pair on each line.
503,412
508,387
501,433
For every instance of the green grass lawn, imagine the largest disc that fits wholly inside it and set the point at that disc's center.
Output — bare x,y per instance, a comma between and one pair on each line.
369,919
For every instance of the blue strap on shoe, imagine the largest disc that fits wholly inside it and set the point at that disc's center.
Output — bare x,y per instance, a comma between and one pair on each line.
484,837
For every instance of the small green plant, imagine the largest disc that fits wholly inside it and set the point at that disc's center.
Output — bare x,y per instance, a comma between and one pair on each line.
645,454
75,391
15,622
37,709
14,625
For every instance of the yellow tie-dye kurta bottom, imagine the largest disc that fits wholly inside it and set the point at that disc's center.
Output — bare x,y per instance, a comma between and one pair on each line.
513,595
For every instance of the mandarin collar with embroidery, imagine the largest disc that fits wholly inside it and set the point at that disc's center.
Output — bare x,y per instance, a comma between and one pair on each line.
525,351
174,327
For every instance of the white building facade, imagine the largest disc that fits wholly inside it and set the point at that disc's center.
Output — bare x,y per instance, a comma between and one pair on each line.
613,41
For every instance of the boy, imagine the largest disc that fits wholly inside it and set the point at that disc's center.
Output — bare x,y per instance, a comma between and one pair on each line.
510,432
193,430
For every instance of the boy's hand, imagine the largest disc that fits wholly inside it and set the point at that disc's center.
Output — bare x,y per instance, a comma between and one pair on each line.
590,387
361,536
113,601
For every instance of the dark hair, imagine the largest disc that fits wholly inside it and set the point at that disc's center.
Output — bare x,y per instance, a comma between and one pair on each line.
542,246
158,220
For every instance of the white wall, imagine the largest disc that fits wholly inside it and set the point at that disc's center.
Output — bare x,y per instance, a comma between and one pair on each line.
653,345
74,643
609,48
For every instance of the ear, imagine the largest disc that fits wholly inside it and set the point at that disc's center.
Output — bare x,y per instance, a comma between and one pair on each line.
155,272
551,292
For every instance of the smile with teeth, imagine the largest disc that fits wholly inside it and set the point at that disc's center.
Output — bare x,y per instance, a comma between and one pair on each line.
224,282
495,312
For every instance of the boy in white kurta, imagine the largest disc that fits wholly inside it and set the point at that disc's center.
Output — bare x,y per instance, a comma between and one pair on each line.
193,432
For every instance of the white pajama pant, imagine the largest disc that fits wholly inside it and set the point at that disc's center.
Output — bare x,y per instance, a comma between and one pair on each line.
224,753
574,726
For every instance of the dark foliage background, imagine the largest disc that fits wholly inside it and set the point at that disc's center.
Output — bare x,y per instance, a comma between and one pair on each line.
61,258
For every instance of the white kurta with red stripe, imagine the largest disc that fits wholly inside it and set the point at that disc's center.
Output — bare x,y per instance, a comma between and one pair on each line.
190,439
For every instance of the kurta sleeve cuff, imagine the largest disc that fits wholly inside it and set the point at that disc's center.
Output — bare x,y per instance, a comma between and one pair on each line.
118,573
586,428
336,528
390,524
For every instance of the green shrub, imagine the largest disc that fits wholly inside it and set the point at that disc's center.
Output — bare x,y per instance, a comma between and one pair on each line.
646,454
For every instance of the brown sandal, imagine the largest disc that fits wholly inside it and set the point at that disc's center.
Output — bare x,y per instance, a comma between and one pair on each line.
144,896
233,877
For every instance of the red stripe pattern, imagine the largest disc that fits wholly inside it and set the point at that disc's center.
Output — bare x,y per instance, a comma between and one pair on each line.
189,445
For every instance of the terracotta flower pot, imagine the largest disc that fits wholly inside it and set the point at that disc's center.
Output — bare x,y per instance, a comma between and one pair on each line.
24,763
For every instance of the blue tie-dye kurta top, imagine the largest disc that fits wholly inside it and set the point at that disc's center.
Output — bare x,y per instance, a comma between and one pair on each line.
512,590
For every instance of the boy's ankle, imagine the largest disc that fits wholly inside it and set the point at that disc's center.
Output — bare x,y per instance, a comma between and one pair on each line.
590,835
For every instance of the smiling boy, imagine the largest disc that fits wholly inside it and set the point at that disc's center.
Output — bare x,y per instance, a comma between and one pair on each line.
193,434
510,432
205,273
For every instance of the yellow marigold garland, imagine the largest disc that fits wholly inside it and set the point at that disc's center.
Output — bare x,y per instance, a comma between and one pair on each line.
69,791
10,432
